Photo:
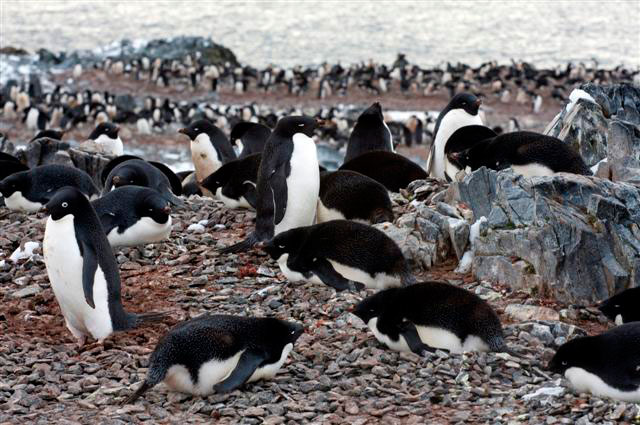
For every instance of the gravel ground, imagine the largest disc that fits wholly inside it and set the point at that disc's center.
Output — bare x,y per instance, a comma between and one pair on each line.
337,372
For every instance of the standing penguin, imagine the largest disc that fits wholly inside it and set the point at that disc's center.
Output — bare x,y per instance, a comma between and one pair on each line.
83,271
461,111
106,136
219,353
210,148
430,315
369,134
606,365
288,181
249,137
134,215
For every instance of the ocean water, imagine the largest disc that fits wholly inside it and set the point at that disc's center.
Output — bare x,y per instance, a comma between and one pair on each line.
546,33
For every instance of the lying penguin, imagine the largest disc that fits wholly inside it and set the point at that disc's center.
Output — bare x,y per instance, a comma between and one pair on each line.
623,307
219,353
134,215
29,190
527,153
392,170
83,270
347,195
432,315
606,365
341,254
235,182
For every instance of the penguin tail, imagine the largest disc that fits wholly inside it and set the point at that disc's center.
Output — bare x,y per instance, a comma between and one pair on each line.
244,245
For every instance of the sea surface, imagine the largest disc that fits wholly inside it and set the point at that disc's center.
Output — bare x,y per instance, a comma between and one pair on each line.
546,33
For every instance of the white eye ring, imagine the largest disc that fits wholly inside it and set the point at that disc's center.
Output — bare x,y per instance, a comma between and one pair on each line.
65,205
300,125
281,246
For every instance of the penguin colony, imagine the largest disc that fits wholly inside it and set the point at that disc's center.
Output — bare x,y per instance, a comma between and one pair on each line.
316,225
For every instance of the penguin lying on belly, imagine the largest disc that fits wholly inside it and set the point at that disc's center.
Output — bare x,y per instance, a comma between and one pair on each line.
134,215
341,254
432,315
219,353
623,307
235,182
606,365
529,154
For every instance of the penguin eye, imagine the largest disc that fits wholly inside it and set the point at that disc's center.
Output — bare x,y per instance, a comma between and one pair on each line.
616,306
564,363
464,103
65,205
300,125
292,332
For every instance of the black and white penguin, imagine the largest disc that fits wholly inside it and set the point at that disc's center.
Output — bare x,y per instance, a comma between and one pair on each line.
35,119
219,353
138,172
106,136
134,215
432,315
210,148
249,137
235,182
461,111
347,195
340,253
623,307
83,271
462,139
288,181
190,185
29,190
529,154
606,365
392,170
369,134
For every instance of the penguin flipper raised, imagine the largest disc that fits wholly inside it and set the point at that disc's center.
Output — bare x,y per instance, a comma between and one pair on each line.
89,268
247,364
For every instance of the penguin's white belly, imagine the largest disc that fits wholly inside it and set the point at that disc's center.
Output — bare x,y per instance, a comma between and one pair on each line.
619,320
109,145
17,202
433,337
533,170
269,371
210,373
583,381
233,203
379,281
294,276
32,119
451,122
64,266
146,230
205,157
303,185
327,214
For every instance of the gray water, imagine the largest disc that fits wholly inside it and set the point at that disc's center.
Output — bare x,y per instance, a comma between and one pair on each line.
546,33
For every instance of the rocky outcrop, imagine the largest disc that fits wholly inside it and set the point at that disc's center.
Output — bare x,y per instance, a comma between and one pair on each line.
572,237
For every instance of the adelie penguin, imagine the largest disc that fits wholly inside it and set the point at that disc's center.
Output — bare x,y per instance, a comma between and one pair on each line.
133,215
83,271
369,134
210,148
347,195
527,153
219,353
393,171
606,365
105,135
342,254
461,111
235,182
249,137
288,181
29,190
432,315
623,307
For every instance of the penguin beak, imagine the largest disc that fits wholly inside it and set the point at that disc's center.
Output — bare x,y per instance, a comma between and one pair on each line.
167,209
44,209
261,245
183,131
454,156
478,103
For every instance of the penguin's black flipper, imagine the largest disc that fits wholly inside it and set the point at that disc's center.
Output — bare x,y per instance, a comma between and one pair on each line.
89,267
251,195
410,333
329,276
133,397
247,364
278,183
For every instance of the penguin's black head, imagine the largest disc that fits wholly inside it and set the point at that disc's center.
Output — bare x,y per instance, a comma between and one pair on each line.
466,101
18,182
67,200
285,243
570,354
373,306
477,156
281,332
220,177
155,206
126,176
106,128
288,126
372,112
622,307
198,127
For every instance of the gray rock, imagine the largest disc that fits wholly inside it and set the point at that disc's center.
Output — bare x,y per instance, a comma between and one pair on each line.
29,291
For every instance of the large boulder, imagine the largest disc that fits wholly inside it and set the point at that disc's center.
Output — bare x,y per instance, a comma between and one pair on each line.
572,237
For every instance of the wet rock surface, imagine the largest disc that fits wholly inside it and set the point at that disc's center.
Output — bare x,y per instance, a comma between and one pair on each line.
337,372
